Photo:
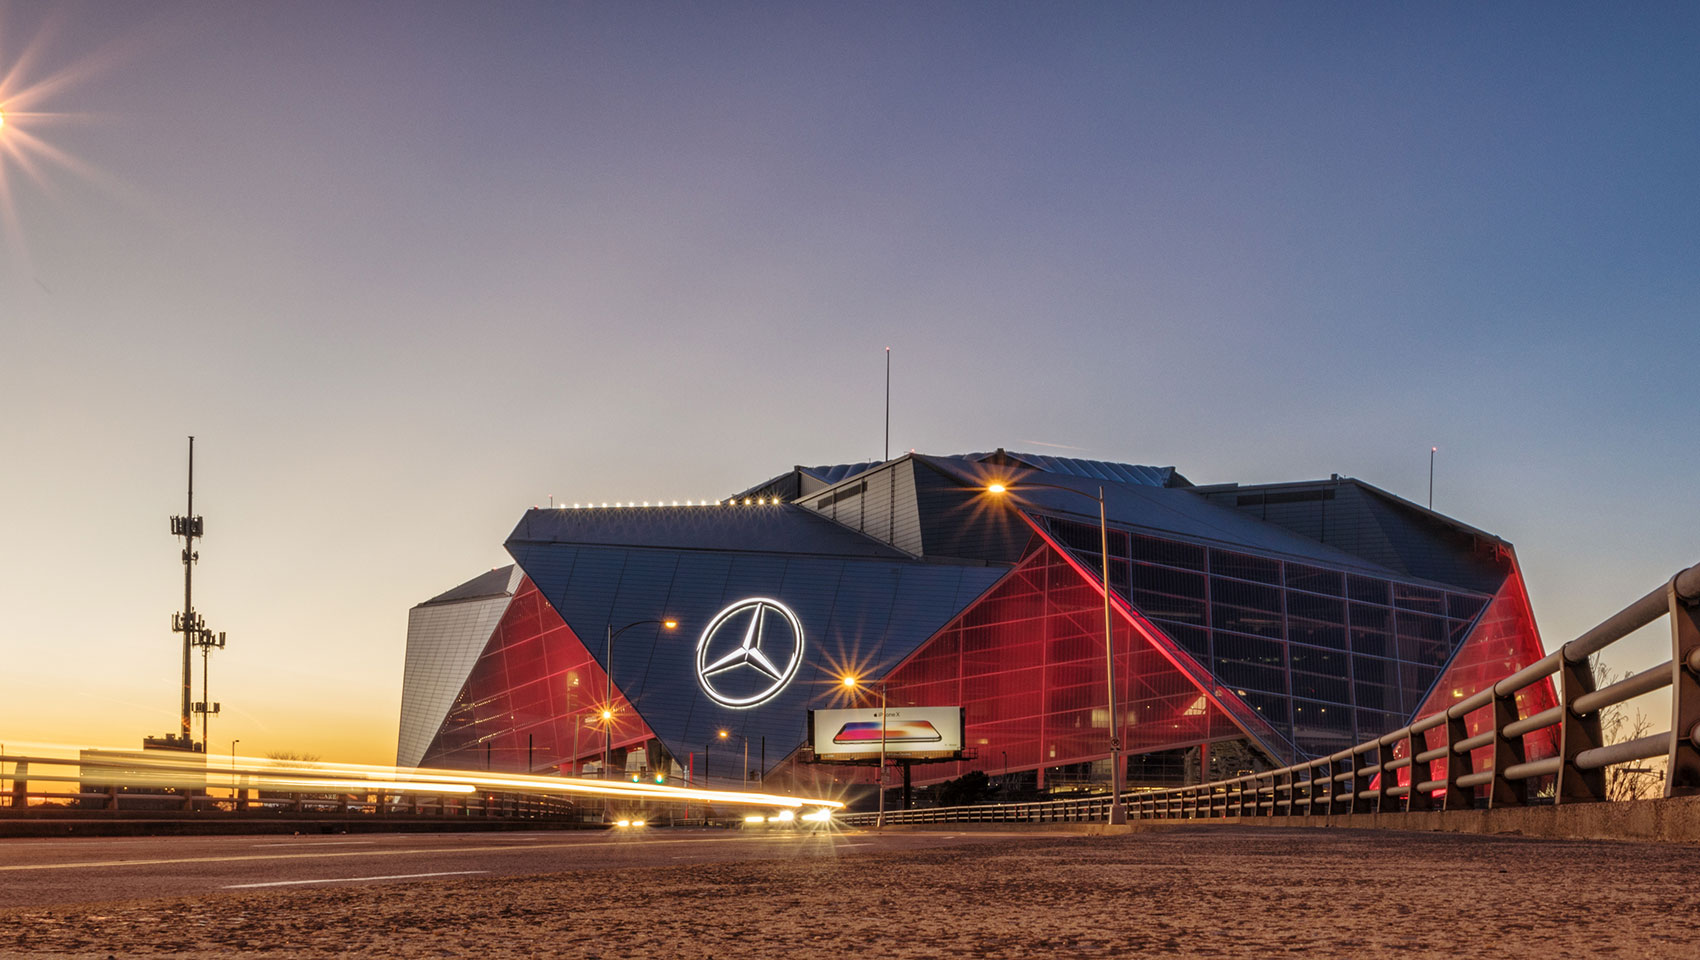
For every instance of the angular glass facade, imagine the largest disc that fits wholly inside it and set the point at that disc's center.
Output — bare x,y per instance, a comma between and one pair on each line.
1503,642
1240,638
444,640
531,687
1027,664
1327,657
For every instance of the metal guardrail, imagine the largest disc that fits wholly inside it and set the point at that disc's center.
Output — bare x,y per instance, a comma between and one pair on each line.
97,784
24,800
1364,778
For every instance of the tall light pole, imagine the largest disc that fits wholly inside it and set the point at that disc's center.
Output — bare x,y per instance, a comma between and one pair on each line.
725,735
235,794
608,704
578,721
879,781
1118,775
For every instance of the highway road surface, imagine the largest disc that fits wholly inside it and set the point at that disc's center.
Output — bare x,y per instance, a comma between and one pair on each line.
55,872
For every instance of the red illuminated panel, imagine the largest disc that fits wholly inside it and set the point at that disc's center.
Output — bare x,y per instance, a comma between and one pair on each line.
1026,663
534,682
1504,641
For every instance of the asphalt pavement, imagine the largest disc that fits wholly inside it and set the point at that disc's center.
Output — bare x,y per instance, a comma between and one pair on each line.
57,872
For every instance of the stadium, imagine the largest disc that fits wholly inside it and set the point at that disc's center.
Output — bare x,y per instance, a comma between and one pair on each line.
1253,626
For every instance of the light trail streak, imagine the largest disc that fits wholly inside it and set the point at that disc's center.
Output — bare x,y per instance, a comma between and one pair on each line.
127,767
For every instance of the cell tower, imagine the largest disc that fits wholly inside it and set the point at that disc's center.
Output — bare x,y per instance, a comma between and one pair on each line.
194,630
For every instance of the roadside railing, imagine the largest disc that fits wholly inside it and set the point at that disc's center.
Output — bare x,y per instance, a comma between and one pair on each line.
1376,776
44,785
70,783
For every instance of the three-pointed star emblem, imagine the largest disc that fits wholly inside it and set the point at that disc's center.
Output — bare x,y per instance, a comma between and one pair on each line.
750,653
749,674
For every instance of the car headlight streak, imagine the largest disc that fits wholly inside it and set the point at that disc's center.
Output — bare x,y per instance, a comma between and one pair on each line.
124,766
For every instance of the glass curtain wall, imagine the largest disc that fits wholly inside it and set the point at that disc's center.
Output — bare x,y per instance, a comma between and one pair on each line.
1027,664
534,683
1327,657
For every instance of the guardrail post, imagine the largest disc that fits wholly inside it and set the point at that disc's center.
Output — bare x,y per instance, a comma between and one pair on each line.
1416,743
1386,778
1506,752
1682,767
1322,791
1283,798
1457,764
1576,734
1360,782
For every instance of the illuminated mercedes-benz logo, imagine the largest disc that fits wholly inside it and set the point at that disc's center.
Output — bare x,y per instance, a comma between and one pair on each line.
760,663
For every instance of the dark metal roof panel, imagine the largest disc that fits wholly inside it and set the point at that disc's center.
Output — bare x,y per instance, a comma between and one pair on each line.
843,471
496,583
1159,510
764,528
1089,469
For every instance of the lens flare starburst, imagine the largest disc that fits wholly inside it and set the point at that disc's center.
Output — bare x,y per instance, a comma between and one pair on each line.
29,92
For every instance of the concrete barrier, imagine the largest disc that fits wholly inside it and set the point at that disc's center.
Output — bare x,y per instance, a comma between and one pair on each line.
1674,820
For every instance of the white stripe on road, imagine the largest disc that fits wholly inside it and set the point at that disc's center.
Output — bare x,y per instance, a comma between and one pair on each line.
392,876
392,852
312,843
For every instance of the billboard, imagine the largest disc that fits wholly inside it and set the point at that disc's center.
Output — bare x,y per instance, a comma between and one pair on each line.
910,733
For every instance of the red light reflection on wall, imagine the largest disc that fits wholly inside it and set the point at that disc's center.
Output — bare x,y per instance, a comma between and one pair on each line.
535,678
1026,662
1504,641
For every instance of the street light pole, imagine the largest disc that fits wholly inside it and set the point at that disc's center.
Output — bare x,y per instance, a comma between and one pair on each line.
879,780
879,817
608,670
608,704
1118,774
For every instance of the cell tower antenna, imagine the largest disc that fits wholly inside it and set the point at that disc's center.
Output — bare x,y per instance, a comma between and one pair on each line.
189,623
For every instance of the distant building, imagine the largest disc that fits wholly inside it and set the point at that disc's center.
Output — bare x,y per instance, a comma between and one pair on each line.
1253,625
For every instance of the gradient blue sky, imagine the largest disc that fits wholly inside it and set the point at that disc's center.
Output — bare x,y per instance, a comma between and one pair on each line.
433,263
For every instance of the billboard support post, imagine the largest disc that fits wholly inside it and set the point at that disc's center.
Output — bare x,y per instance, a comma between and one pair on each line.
922,735
879,818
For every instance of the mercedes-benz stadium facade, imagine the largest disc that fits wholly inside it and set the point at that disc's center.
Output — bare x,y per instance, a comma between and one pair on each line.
1252,625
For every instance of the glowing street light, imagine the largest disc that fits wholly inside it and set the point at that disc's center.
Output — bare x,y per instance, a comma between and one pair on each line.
879,816
1118,775
667,623
724,735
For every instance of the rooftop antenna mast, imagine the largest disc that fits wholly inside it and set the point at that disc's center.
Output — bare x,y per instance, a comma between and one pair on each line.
1431,452
189,623
888,403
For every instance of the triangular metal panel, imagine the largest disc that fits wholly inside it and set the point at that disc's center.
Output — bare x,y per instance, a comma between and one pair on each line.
853,610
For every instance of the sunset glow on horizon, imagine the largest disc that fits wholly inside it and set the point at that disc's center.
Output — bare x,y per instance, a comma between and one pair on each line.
405,277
